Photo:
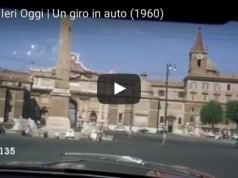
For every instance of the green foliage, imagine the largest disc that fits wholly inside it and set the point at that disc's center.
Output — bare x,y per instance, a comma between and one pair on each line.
232,111
211,113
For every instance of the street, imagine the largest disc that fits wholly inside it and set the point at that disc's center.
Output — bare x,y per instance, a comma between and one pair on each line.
213,157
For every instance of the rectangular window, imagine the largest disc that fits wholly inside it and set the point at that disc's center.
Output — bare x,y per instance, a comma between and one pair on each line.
217,87
216,97
180,94
193,86
205,86
193,96
161,93
204,97
199,61
161,119
120,118
228,87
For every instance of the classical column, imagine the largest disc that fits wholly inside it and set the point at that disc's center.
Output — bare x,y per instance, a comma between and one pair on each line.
105,115
59,109
79,109
86,109
100,112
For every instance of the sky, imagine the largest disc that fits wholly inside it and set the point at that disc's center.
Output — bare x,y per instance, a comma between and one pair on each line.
124,46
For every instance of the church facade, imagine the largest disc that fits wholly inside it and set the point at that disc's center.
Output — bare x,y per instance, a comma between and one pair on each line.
28,95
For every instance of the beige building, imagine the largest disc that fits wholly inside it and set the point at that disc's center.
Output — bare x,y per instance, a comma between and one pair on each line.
185,98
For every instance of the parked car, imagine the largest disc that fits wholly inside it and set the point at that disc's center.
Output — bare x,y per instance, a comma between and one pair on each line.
120,129
211,135
162,130
143,130
235,136
70,134
218,137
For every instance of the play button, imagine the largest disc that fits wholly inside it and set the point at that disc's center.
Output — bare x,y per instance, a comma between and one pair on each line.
118,88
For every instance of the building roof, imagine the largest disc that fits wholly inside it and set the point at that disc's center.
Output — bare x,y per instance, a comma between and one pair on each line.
170,83
199,47
211,66
14,75
75,66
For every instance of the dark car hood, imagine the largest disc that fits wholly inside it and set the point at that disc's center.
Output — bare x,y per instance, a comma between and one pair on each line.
151,169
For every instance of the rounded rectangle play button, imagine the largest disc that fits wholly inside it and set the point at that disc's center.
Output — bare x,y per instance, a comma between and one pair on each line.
119,89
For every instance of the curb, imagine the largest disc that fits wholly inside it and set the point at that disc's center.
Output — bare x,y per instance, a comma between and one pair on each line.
208,139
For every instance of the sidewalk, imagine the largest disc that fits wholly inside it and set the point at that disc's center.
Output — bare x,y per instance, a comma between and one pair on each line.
229,140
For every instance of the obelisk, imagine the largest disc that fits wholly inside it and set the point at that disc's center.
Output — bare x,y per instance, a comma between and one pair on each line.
59,107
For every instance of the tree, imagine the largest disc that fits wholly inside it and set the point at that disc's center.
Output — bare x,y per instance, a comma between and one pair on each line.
232,111
211,113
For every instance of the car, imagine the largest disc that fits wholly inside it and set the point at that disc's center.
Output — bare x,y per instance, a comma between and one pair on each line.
120,129
161,130
211,135
70,134
235,136
143,130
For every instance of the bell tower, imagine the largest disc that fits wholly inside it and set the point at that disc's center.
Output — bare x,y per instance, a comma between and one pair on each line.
198,57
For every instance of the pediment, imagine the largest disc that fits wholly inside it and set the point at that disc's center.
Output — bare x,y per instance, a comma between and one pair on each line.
77,66
85,76
77,69
80,76
171,117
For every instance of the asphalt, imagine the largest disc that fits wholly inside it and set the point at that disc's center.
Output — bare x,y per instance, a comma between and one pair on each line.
212,157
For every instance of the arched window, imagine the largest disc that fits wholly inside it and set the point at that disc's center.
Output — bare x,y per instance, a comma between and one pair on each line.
93,117
72,112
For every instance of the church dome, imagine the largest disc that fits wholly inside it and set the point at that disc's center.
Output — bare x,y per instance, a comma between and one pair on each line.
211,66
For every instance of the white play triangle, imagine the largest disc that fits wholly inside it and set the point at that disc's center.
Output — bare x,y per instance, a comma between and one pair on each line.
118,88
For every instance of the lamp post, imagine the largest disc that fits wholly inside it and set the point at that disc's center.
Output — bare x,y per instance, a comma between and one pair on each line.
169,67
131,115
157,119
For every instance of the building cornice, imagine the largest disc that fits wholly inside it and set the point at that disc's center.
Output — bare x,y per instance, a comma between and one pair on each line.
212,79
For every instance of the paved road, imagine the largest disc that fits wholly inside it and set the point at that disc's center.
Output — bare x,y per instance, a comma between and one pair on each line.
219,159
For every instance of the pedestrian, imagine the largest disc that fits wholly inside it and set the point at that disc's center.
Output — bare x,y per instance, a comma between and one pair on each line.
164,135
27,131
129,131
